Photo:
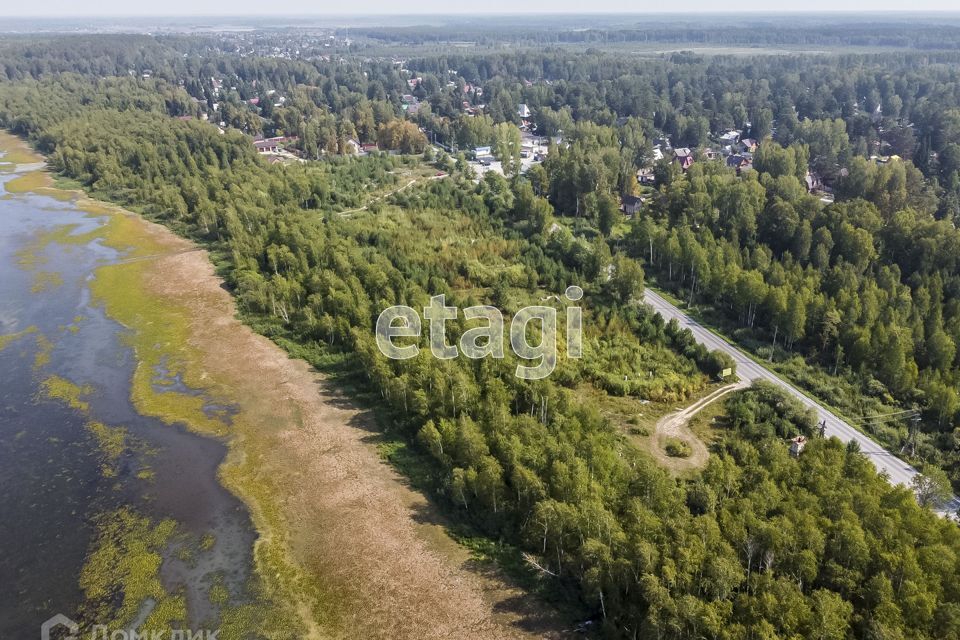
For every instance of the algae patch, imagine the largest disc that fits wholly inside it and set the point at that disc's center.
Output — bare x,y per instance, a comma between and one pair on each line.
44,349
112,442
46,281
30,257
122,573
57,388
8,339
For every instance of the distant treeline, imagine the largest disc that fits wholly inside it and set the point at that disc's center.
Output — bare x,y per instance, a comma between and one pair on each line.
748,32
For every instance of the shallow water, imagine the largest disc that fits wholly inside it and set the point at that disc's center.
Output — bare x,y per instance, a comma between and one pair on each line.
51,482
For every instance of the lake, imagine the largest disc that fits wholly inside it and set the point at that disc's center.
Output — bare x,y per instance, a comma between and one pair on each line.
76,457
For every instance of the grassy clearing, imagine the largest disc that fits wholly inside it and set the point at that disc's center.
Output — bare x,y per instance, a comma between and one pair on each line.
708,424
635,418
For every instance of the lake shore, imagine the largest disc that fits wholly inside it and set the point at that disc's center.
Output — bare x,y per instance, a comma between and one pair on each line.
345,547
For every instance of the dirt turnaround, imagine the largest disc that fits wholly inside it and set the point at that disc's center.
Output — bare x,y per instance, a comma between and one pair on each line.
674,425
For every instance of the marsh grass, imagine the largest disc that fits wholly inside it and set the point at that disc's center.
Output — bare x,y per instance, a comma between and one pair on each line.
159,335
28,182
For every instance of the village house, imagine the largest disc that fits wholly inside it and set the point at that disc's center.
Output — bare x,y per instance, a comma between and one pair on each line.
632,204
266,146
739,163
523,110
272,145
683,157
748,145
730,138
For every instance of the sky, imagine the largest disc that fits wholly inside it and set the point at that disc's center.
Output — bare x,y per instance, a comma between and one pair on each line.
75,8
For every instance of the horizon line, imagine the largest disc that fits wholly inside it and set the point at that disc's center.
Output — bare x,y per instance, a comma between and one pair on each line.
503,13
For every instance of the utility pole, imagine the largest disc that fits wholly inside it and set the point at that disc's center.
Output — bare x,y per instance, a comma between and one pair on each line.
914,428
913,419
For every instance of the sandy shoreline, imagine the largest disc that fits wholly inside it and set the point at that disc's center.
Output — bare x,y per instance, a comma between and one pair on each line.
358,552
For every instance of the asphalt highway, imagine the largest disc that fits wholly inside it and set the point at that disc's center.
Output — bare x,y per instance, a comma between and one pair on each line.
749,370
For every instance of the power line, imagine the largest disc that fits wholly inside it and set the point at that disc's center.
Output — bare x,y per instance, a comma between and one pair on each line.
907,413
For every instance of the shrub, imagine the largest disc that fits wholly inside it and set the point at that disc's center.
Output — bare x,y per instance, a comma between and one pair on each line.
677,448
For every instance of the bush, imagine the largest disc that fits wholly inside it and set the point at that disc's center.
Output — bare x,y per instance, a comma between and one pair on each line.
716,362
678,448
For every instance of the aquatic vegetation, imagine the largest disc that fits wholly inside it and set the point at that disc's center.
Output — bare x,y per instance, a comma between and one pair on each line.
208,542
6,340
112,442
44,347
158,330
124,564
121,574
219,594
46,280
30,257
159,335
31,181
58,388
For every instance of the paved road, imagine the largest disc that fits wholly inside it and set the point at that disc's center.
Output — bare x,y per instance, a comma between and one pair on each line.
899,471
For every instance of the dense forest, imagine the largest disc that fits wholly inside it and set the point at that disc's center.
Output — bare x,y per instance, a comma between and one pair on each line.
758,544
745,30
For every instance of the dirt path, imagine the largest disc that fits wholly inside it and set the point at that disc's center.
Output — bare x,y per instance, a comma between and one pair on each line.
350,212
674,425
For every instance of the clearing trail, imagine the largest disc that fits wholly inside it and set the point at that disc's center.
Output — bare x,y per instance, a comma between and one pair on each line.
674,425
349,212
